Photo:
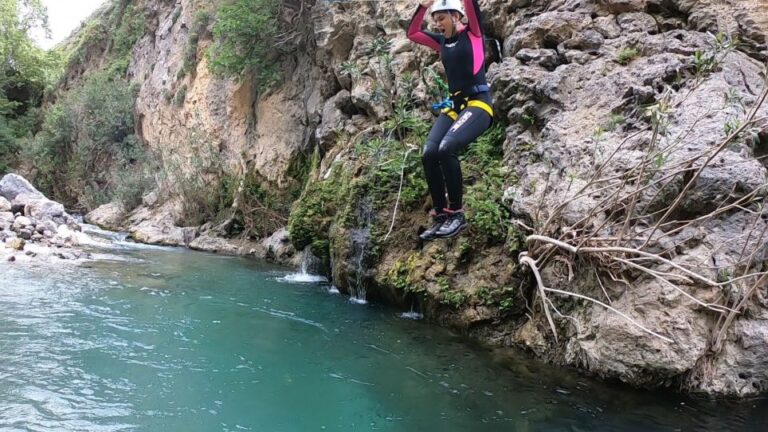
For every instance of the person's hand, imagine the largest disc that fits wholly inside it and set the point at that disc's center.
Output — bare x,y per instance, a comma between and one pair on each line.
426,3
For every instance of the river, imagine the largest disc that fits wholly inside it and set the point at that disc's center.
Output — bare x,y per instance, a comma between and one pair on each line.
165,339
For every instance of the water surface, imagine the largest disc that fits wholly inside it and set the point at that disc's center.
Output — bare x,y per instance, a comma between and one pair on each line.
162,339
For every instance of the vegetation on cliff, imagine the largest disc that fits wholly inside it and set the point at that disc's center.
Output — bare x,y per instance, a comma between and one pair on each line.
26,72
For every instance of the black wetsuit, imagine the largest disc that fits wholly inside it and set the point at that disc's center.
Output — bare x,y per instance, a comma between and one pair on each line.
463,57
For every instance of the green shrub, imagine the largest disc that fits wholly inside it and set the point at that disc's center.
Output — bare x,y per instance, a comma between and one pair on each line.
87,138
245,39
485,177
190,51
8,146
626,55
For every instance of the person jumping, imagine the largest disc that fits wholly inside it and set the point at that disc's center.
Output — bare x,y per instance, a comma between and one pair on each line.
469,110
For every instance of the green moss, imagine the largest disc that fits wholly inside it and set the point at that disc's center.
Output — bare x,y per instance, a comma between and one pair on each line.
515,240
450,296
401,275
500,297
482,166
317,207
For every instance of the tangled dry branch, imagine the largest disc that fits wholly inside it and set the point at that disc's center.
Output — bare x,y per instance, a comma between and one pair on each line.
623,237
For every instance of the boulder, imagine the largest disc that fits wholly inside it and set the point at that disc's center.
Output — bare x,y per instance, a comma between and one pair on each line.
40,207
109,216
22,222
209,243
278,246
12,185
5,205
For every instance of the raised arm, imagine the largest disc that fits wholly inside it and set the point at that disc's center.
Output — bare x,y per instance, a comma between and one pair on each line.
416,34
473,16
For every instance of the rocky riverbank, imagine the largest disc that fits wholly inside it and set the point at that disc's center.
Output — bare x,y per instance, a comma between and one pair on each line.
35,227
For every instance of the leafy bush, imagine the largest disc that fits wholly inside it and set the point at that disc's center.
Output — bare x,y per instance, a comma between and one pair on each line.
245,36
87,153
485,176
190,52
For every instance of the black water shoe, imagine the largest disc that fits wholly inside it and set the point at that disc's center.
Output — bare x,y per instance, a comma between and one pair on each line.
437,221
453,226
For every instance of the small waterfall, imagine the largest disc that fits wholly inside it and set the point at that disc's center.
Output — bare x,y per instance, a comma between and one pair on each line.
412,314
309,265
332,289
360,239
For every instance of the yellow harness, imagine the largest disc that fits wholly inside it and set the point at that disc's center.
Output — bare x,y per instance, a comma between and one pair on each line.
453,114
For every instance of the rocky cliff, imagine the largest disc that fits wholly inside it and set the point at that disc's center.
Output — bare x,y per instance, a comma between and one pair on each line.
616,207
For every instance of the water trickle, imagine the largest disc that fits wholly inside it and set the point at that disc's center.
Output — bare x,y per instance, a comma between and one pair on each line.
412,314
307,273
360,240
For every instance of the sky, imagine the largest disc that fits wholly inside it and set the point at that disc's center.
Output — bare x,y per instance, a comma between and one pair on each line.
65,16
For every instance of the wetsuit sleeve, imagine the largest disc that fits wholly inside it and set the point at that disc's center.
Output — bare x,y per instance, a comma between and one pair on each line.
473,16
416,34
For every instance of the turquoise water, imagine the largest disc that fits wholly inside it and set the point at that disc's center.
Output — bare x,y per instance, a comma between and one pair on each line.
159,339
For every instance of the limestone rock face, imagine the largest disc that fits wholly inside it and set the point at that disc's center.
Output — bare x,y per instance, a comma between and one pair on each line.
568,118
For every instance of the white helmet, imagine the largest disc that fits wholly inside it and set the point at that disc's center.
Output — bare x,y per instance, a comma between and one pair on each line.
448,5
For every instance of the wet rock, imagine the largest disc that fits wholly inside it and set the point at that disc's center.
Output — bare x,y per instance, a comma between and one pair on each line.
65,255
6,220
64,233
25,234
40,207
